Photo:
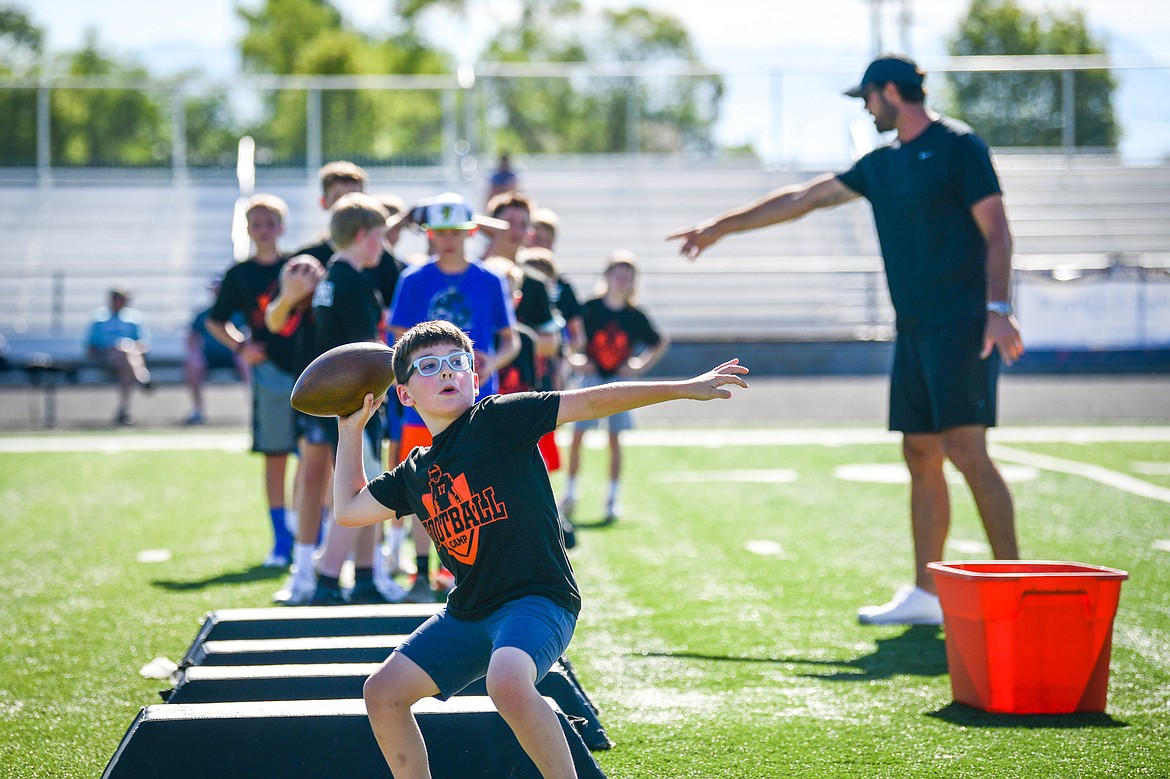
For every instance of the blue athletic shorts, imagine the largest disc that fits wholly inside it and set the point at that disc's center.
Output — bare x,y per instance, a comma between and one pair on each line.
314,430
455,652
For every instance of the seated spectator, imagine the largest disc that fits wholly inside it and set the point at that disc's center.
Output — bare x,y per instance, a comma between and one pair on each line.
205,352
119,338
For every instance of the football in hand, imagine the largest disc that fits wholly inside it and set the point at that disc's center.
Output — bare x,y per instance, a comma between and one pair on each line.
335,384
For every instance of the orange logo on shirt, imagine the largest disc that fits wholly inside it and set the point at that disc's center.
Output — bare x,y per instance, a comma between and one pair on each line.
456,515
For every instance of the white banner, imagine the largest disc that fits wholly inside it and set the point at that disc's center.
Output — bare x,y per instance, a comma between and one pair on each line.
1093,313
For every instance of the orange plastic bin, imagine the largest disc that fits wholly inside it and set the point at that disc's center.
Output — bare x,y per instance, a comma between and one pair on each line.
1028,637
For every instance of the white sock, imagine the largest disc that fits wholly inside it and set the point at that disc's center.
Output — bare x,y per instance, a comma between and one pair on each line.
291,520
381,566
326,522
395,534
614,489
571,488
303,561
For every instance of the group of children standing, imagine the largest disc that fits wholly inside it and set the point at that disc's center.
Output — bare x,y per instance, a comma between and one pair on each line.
479,348
528,329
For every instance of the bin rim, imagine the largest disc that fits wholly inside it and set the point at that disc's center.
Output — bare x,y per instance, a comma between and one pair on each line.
957,569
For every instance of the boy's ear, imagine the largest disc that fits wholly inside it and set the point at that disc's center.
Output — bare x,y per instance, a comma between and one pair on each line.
403,395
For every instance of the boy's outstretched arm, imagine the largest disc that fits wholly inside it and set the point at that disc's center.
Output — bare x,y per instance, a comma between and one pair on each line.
607,399
353,505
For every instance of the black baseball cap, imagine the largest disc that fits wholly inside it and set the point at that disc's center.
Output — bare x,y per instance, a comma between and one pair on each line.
889,67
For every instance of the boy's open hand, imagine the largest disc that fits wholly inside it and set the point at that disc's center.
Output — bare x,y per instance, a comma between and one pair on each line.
358,419
710,385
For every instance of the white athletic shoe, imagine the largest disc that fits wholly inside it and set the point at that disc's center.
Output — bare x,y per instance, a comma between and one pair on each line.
910,606
276,560
297,591
391,590
566,508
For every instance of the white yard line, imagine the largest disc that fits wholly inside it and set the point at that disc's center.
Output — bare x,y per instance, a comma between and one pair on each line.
1106,476
236,441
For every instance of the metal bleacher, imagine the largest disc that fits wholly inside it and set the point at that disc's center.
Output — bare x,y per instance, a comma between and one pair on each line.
66,242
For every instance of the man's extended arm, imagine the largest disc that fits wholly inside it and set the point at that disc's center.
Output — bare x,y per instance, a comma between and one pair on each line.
781,205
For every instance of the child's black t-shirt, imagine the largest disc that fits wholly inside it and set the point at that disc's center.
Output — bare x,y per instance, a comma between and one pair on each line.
482,491
248,287
347,307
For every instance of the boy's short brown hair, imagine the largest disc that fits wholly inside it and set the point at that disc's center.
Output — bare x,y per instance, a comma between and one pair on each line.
425,335
546,218
353,213
511,199
341,170
510,271
265,202
541,259
622,258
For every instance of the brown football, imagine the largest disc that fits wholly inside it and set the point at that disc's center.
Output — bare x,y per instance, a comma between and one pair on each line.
336,383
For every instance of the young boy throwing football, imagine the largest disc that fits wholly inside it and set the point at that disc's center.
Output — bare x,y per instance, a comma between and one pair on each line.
483,493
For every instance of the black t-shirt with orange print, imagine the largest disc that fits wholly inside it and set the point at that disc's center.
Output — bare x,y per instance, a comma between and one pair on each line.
483,494
612,337
248,287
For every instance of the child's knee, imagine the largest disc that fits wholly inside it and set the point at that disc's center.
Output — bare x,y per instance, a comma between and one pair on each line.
382,690
509,692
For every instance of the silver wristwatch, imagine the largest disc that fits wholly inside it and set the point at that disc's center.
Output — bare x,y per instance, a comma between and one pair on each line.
1001,307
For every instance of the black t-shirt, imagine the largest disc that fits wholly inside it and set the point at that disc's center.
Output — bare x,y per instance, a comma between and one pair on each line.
922,193
534,310
482,491
523,373
347,307
248,287
565,299
385,274
612,337
304,340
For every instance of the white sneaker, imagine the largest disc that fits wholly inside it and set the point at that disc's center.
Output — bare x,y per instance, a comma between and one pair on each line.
613,510
566,508
391,590
276,560
910,606
385,584
297,591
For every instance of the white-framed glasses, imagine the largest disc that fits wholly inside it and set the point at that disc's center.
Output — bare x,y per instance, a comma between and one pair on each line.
432,364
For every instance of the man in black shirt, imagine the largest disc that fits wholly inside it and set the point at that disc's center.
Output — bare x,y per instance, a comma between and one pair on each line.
947,250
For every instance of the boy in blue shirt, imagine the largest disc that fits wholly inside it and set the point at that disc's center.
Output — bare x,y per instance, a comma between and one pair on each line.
453,288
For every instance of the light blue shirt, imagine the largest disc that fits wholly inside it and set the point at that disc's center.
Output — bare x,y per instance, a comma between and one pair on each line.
108,328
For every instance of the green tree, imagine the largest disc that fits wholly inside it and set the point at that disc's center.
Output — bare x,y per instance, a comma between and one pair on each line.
598,113
117,126
1024,108
310,37
211,129
21,46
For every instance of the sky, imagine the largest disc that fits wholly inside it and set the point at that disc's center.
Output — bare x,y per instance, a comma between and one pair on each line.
785,61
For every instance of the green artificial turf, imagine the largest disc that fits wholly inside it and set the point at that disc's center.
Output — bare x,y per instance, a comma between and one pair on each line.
718,634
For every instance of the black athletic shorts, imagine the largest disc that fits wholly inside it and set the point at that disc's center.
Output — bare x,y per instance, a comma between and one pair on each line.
939,382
